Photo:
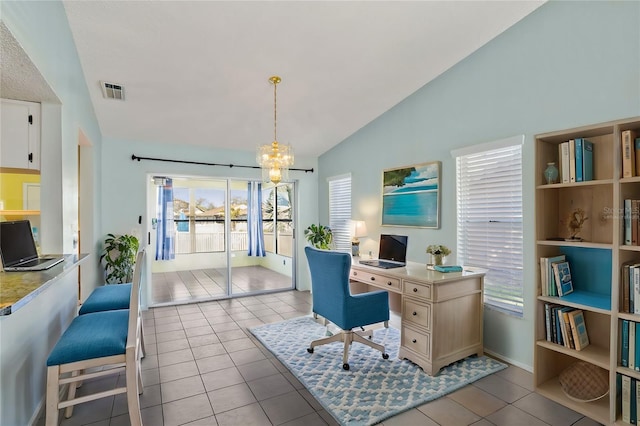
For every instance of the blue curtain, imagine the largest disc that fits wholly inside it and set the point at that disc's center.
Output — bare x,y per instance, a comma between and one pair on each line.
254,220
165,231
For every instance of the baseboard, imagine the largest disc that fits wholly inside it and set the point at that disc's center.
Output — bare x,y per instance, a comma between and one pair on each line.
509,361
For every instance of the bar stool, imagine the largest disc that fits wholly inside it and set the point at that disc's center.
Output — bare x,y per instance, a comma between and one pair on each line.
99,339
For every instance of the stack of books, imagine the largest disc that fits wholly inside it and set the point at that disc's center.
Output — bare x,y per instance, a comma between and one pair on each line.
629,391
576,160
630,153
555,276
566,326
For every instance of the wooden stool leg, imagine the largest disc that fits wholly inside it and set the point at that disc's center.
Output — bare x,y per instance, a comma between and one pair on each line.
53,389
72,394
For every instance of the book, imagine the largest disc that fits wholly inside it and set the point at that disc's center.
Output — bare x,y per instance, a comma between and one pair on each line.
628,153
627,222
578,147
632,346
564,162
547,321
579,329
572,160
633,405
544,285
625,286
551,281
562,276
587,160
626,399
634,222
624,343
637,148
568,335
637,349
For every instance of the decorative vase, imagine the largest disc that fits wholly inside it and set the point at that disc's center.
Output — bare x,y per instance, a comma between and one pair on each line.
437,259
551,173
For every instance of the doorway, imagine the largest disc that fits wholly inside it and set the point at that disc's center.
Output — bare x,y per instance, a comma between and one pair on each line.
208,228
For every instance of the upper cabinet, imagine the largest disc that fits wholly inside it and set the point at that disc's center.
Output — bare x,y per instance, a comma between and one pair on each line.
20,135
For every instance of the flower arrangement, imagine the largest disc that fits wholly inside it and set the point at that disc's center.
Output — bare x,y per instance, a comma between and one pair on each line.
438,250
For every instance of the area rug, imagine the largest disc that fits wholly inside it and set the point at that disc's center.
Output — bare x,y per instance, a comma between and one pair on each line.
374,389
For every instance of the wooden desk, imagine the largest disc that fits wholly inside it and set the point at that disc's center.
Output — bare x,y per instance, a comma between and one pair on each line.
441,314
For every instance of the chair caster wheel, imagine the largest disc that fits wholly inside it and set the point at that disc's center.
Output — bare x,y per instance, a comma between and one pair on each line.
310,350
385,356
345,366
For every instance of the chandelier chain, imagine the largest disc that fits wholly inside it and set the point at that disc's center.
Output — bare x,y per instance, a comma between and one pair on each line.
275,113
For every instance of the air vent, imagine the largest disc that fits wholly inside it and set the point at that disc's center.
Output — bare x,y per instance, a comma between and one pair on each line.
112,90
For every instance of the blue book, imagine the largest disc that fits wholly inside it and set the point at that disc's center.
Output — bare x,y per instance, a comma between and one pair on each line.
632,411
579,175
636,366
587,160
624,352
562,274
448,268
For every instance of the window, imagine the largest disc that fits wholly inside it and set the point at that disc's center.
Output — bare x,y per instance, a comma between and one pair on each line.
340,212
277,219
489,200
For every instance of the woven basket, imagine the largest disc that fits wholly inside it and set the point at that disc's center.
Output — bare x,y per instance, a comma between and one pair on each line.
584,382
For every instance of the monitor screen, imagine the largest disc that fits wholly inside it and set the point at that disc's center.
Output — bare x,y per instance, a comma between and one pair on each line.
393,247
16,242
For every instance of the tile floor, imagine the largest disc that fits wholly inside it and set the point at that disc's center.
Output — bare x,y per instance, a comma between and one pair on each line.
204,368
205,284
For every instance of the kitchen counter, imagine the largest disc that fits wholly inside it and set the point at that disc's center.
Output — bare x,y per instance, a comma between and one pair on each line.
19,288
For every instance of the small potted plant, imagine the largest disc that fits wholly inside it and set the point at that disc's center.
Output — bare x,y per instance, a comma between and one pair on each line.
119,257
437,252
319,236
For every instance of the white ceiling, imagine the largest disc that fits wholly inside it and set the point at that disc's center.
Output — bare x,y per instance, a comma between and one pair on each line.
196,72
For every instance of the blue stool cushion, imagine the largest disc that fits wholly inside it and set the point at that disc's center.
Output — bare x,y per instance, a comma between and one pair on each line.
107,298
92,336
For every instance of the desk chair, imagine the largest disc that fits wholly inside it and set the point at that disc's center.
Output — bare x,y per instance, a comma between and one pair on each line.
332,300
108,339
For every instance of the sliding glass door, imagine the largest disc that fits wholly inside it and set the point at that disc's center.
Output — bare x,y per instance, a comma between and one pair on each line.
229,237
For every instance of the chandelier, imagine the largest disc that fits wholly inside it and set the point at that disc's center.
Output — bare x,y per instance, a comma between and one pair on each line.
274,158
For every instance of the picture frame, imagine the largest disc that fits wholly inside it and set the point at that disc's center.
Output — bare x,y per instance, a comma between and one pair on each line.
411,195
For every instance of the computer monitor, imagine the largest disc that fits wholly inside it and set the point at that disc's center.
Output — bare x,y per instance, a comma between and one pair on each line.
393,247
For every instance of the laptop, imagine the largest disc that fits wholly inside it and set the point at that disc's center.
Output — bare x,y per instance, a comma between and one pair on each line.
18,249
393,252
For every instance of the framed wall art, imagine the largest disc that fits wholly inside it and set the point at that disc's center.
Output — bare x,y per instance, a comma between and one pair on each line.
411,195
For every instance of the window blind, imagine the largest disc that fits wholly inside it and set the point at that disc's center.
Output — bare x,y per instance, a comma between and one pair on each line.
489,200
340,212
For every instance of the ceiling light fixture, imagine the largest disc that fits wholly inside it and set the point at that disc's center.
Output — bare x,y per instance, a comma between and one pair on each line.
274,158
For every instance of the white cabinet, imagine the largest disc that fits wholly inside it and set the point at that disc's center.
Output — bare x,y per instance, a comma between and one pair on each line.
20,134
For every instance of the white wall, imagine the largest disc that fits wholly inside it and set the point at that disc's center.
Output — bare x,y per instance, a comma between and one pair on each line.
565,65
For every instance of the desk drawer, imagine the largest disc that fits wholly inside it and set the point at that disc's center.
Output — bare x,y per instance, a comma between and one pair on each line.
416,341
377,280
417,290
417,313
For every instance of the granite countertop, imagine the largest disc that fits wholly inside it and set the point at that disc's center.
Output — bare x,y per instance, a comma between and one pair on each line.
18,288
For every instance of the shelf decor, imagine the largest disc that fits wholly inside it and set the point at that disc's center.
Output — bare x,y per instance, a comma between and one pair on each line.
438,252
411,196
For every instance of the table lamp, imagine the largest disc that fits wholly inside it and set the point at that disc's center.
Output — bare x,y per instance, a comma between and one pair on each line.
358,230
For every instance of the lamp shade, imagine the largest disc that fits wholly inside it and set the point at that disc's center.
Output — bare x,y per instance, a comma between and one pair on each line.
358,229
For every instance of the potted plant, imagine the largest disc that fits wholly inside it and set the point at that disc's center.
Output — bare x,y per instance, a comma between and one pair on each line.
119,257
319,236
437,252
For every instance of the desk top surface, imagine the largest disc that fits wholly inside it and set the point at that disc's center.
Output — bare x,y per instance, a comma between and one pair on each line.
419,271
18,288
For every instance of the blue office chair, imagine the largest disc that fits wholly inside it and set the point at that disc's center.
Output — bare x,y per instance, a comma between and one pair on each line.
333,301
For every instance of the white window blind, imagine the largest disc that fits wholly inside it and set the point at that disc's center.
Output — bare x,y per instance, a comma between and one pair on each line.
489,199
340,212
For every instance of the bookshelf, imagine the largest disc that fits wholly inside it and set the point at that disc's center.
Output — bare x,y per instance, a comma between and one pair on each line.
595,262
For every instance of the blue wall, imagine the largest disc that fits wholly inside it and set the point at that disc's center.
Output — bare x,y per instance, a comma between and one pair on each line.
567,64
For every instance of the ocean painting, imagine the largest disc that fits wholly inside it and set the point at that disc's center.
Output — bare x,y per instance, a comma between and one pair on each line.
411,196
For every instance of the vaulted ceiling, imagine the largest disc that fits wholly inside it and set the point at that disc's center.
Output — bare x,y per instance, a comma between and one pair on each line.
196,72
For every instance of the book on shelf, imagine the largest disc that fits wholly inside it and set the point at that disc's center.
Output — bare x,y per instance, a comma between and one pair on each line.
578,329
562,276
624,343
627,221
566,328
564,162
636,363
633,403
637,148
632,346
578,145
626,399
628,153
625,286
547,279
572,160
587,160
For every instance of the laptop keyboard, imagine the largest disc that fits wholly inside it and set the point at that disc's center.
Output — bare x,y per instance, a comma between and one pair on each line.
381,264
34,262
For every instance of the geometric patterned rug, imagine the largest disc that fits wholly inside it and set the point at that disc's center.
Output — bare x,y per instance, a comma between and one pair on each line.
373,389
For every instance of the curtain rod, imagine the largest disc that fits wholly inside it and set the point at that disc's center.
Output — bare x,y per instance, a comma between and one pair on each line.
135,157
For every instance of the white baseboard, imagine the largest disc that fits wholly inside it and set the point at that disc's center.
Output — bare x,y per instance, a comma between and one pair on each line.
510,361
40,411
